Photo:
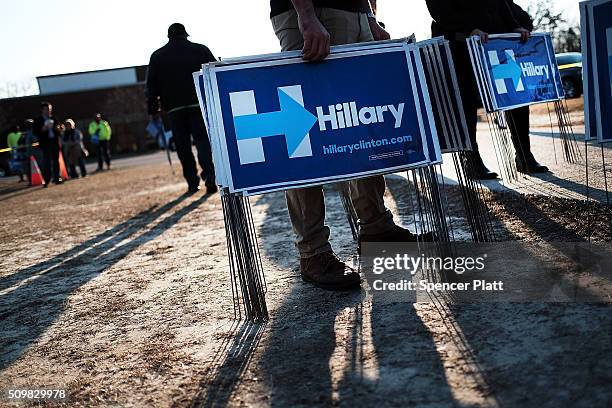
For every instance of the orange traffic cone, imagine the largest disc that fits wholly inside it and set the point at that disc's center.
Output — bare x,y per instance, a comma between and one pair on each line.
62,167
36,178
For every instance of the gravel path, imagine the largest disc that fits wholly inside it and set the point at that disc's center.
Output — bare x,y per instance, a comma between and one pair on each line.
115,288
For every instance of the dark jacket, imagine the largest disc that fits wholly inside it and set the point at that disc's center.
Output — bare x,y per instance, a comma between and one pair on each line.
521,16
43,135
462,17
280,6
169,77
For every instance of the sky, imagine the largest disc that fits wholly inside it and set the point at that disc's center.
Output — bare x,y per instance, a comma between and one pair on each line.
43,38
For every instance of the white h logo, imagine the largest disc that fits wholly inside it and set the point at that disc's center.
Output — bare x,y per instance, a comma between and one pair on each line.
251,149
509,70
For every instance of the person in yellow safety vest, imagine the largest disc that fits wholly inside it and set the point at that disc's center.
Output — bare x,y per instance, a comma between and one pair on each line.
13,141
100,132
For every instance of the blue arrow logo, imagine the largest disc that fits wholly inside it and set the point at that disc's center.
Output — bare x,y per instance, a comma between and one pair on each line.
510,70
293,121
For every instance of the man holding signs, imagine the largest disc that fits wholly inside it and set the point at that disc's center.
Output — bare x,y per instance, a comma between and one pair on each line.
313,26
457,21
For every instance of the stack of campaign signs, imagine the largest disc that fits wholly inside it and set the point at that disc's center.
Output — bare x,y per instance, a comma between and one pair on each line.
444,94
276,122
511,73
596,26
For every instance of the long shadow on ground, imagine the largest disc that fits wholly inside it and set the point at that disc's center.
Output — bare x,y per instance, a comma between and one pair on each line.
15,190
56,279
303,336
352,349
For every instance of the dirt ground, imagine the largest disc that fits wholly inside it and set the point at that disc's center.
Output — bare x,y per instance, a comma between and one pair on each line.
116,288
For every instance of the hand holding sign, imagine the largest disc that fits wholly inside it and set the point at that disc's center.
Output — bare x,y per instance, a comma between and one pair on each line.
316,37
484,37
512,72
278,123
525,34
262,118
379,33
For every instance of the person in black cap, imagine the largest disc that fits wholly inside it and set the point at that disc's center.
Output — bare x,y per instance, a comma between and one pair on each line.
170,87
457,21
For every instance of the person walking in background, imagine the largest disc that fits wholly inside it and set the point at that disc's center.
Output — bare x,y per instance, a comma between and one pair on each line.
170,88
16,142
457,21
48,131
74,151
100,132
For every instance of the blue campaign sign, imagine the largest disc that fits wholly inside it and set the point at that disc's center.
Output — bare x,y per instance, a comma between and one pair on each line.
446,101
600,14
555,67
521,73
590,117
288,123
432,144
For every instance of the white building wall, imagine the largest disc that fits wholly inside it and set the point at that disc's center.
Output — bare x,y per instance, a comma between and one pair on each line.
87,81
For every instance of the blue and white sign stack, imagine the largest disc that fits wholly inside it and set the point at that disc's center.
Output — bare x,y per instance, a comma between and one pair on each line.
596,27
444,95
511,73
276,122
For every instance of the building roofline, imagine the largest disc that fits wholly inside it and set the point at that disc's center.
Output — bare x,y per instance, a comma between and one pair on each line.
89,72
39,95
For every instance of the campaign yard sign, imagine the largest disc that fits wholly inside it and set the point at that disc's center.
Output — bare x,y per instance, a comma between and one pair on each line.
281,123
596,20
590,117
445,97
512,73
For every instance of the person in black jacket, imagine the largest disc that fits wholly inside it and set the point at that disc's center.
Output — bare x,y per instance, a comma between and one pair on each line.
48,130
457,21
170,88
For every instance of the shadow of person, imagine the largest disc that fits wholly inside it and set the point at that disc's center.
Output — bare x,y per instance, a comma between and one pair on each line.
555,135
82,251
300,336
32,299
319,347
592,192
15,190
393,356
393,359
302,342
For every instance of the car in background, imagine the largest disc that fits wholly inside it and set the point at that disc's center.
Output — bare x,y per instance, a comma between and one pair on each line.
570,68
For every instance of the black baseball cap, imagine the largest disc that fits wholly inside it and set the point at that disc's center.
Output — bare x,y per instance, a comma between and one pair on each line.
177,30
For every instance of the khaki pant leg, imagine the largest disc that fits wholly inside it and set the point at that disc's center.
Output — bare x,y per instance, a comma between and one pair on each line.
307,205
366,194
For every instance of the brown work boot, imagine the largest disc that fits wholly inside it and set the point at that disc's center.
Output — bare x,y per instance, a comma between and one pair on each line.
326,271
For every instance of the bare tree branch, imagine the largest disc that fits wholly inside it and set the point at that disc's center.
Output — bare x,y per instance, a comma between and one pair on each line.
547,18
